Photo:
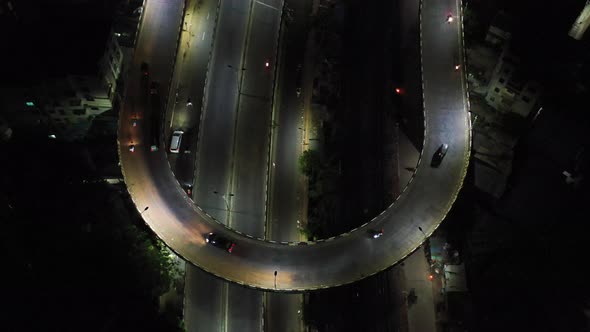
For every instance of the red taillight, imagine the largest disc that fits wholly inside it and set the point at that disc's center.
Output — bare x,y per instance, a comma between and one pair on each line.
231,248
398,91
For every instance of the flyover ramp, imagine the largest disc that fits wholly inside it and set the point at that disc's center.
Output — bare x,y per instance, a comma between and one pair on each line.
349,257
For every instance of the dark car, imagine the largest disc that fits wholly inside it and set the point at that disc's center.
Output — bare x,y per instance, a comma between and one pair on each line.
439,154
220,242
145,69
188,188
154,87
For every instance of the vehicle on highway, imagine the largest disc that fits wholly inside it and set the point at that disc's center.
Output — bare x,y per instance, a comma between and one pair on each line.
298,80
145,69
154,87
439,154
131,148
189,102
450,18
175,141
267,63
220,242
189,189
376,233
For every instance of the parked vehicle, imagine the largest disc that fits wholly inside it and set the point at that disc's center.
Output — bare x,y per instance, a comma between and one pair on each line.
154,87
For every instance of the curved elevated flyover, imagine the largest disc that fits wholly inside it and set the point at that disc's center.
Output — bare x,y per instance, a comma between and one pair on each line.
424,202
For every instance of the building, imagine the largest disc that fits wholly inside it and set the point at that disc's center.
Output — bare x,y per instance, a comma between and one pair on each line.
118,53
72,103
19,113
509,89
112,64
499,34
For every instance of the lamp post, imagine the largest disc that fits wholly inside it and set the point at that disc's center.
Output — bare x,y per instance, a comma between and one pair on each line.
237,76
225,198
420,228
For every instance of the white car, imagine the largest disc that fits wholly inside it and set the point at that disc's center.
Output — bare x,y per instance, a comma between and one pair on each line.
175,141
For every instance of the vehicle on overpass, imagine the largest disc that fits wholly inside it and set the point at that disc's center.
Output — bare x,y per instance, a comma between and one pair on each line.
175,141
220,242
438,156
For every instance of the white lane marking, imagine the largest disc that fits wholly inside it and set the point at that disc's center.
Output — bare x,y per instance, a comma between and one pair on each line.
262,3
203,36
208,13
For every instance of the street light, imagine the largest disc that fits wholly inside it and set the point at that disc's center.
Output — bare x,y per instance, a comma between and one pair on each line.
237,77
225,198
420,228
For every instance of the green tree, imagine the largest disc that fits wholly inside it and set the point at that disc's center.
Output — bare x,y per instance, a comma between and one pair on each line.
78,254
309,163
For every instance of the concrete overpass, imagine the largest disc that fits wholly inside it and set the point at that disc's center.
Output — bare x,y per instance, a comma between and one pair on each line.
261,264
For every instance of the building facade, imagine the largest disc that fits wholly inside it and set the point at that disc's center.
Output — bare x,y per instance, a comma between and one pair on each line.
509,89
499,34
118,53
72,103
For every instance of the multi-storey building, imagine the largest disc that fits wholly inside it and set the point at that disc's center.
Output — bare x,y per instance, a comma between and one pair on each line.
72,103
499,31
509,89
119,48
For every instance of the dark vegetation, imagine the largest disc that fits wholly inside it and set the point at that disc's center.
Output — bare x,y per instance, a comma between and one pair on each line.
525,252
76,254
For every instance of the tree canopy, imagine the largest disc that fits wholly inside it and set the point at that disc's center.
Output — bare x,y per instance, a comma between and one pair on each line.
77,256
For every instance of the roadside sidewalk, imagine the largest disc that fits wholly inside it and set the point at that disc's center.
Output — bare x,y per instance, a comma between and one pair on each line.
416,268
421,314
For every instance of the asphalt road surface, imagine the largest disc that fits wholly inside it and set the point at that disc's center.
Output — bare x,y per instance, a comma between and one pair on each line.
231,168
188,84
290,267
